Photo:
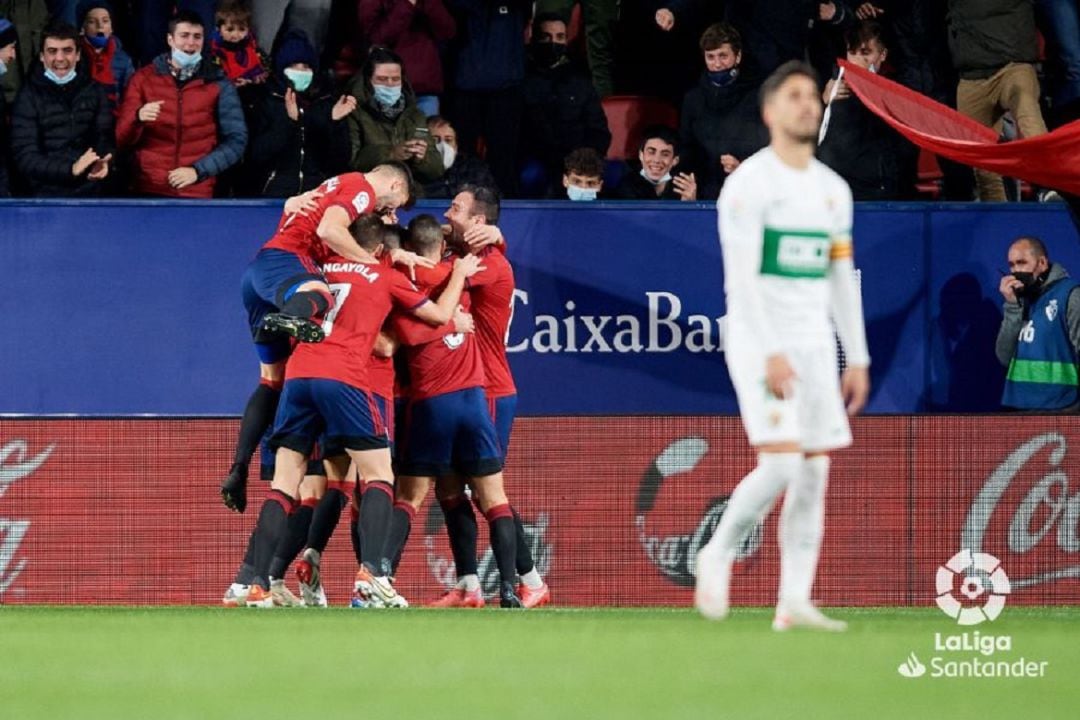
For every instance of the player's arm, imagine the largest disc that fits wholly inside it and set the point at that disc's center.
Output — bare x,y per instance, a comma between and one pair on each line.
333,230
847,313
413,331
442,310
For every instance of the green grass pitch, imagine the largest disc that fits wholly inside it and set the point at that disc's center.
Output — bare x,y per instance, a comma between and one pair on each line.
64,662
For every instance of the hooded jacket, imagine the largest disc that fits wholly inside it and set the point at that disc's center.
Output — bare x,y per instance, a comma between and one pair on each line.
1009,333
373,135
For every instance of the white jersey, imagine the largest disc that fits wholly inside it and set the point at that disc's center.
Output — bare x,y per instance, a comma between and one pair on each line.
780,229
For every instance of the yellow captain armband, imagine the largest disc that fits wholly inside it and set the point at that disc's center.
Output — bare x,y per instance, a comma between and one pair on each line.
841,248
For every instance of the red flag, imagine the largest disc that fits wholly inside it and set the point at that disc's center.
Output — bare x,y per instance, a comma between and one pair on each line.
1051,160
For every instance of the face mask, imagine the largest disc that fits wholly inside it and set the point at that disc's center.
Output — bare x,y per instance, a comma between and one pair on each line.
578,194
549,54
872,68
60,80
723,78
300,79
3,68
99,41
387,94
185,60
1031,283
449,153
666,178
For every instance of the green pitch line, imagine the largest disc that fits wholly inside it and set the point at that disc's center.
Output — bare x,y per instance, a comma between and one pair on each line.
61,662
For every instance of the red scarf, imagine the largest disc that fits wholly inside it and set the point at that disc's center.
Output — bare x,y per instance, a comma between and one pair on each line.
238,62
101,67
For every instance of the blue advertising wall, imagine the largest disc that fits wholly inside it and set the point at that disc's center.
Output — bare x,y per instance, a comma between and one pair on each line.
124,307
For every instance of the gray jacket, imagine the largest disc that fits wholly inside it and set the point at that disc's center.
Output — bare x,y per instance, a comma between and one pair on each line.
1009,334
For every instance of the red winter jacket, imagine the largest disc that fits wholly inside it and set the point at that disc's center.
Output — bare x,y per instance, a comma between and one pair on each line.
201,125
413,32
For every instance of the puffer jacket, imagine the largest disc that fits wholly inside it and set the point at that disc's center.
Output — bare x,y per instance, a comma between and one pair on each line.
987,35
201,125
52,126
373,136
562,113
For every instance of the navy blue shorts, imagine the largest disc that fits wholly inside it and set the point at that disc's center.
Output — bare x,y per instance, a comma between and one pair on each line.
386,414
451,433
344,416
503,411
268,462
269,280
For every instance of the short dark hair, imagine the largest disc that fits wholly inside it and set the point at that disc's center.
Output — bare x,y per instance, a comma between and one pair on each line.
584,161
380,55
236,11
863,32
367,230
546,17
186,16
1038,247
435,121
404,173
425,232
485,201
60,31
719,34
392,236
662,133
782,74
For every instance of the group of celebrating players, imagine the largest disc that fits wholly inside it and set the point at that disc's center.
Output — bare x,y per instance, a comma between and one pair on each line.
375,385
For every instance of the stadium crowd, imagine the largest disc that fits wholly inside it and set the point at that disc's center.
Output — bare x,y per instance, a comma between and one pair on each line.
232,99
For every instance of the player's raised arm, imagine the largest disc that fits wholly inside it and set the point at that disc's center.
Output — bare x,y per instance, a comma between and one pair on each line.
333,230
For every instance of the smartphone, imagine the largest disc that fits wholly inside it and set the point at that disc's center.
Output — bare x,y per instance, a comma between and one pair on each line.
421,133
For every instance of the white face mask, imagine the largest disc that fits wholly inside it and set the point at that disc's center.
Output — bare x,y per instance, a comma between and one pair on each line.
666,178
580,194
3,68
448,152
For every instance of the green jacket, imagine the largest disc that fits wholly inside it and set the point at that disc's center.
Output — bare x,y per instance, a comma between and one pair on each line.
373,136
29,18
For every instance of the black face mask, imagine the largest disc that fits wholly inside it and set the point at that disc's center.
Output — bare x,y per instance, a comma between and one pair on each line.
1031,283
548,54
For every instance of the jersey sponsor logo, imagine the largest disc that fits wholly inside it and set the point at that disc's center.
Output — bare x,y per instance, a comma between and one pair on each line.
361,202
1052,310
454,340
795,253
368,272
12,532
664,328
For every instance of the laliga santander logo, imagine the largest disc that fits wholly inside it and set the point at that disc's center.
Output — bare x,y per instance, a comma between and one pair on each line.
982,585
15,464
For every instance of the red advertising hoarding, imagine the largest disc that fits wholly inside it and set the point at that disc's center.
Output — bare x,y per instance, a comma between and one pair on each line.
126,511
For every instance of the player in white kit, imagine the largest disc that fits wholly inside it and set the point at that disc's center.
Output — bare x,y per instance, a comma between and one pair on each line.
785,229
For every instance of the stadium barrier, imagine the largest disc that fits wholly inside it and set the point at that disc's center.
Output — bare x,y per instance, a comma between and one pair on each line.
126,511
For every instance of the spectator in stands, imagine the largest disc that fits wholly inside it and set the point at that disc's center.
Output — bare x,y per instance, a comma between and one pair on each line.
462,168
599,18
105,59
413,29
583,175
875,160
180,155
776,31
1060,21
233,46
1039,339
61,126
721,123
152,23
562,110
29,18
8,38
659,157
311,17
386,124
301,132
994,48
490,67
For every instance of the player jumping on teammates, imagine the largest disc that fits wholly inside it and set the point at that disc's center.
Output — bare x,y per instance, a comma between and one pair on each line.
285,295
785,229
327,393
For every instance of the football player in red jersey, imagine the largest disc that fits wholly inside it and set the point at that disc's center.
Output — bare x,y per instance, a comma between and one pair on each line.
327,393
284,275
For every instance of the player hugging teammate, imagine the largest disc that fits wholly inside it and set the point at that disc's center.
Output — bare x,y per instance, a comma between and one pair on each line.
457,410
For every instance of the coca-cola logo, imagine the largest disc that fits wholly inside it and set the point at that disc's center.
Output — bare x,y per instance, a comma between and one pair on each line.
445,573
673,553
1047,512
15,464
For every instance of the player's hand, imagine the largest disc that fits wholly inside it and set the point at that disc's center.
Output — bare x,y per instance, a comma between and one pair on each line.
729,163
385,345
1009,286
855,388
479,236
410,260
303,203
868,11
345,105
182,177
467,266
150,111
100,169
685,186
665,19
463,321
389,217
292,108
779,376
85,161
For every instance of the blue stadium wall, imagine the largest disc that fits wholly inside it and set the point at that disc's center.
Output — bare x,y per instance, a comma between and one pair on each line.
123,307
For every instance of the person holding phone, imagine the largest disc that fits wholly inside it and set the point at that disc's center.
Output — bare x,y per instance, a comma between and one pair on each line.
386,123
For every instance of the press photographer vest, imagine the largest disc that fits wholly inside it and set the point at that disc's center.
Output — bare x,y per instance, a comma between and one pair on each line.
1043,372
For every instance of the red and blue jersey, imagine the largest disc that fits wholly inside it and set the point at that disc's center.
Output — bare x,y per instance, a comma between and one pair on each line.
492,293
298,234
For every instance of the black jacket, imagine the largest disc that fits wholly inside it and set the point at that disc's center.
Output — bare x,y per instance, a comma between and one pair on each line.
863,149
562,113
287,157
634,187
466,170
719,121
52,126
987,35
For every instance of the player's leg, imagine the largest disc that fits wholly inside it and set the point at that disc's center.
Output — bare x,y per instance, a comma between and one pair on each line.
409,494
292,542
461,532
303,306
324,521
